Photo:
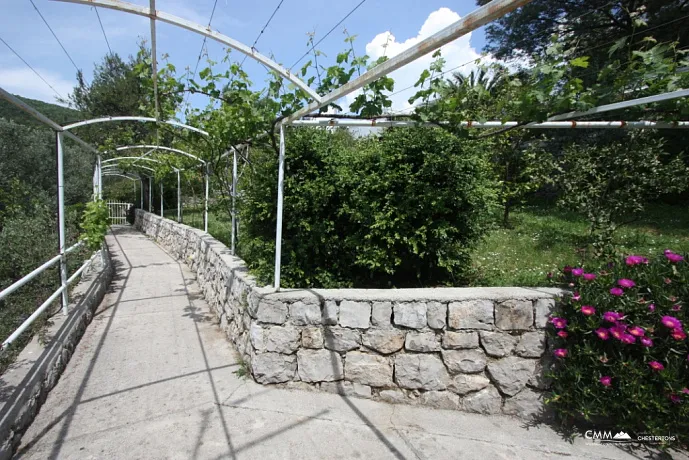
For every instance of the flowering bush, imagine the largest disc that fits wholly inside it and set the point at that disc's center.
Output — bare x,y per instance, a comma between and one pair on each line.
620,346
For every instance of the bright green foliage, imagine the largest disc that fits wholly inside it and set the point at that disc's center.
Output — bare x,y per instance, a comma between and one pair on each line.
95,224
404,209
637,398
612,184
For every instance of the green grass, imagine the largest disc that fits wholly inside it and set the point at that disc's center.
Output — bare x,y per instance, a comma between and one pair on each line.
540,240
543,240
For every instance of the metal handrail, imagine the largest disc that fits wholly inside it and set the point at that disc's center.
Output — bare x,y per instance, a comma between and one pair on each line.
21,282
17,332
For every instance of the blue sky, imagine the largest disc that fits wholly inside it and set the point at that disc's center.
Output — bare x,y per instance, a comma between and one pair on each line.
77,27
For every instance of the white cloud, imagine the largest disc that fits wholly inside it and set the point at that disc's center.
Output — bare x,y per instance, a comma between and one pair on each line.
24,82
455,53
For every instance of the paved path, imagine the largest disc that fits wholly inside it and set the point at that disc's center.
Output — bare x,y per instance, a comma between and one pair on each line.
154,378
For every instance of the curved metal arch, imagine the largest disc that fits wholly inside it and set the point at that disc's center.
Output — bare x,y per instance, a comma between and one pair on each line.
117,167
133,118
130,158
205,31
158,147
135,179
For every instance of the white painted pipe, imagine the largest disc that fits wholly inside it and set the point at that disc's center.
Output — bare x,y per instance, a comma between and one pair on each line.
278,229
61,219
234,194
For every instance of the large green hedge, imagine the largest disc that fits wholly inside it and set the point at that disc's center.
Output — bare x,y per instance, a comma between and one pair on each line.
401,209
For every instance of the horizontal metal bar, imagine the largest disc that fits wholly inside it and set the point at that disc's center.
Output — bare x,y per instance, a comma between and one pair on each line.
134,178
621,105
160,147
132,118
118,168
21,282
132,158
498,124
201,30
44,305
472,21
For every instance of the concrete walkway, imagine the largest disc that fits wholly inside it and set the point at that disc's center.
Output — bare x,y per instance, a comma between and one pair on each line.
154,378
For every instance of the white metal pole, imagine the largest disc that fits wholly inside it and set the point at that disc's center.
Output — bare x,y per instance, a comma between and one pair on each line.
95,182
179,198
161,198
61,220
141,196
205,204
150,192
100,178
234,194
278,230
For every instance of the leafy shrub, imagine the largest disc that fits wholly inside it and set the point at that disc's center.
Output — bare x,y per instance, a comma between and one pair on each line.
402,209
95,224
621,346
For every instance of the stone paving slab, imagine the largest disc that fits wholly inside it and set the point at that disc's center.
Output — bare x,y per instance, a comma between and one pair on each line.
154,378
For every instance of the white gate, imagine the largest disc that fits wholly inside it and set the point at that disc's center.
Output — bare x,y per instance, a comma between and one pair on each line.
118,212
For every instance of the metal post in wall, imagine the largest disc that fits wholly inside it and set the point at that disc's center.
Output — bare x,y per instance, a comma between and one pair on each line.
141,197
234,194
179,198
281,186
100,178
61,219
161,198
150,192
205,203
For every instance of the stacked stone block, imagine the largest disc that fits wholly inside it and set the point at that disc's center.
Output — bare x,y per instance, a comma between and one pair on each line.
473,349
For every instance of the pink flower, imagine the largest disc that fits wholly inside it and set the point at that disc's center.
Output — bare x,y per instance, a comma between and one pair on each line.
671,322
562,334
667,251
559,323
628,339
567,269
589,276
616,291
656,366
676,307
617,332
605,380
636,260
602,333
549,275
685,391
652,307
562,353
576,297
675,398
674,258
612,316
636,331
678,334
668,281
588,310
577,271
626,283
646,342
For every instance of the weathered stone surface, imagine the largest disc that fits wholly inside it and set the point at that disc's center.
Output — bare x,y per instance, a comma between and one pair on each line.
312,337
511,374
303,314
465,361
330,313
273,367
393,396
437,315
278,339
422,341
319,366
381,314
525,404
383,341
542,310
460,340
341,339
497,344
471,314
440,400
355,314
410,314
467,383
271,311
531,345
486,401
368,369
347,388
419,371
514,315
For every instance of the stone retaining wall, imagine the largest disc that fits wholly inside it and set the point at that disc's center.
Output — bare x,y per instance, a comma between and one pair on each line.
475,349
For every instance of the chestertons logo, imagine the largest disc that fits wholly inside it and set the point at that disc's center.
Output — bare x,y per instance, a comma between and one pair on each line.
623,438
